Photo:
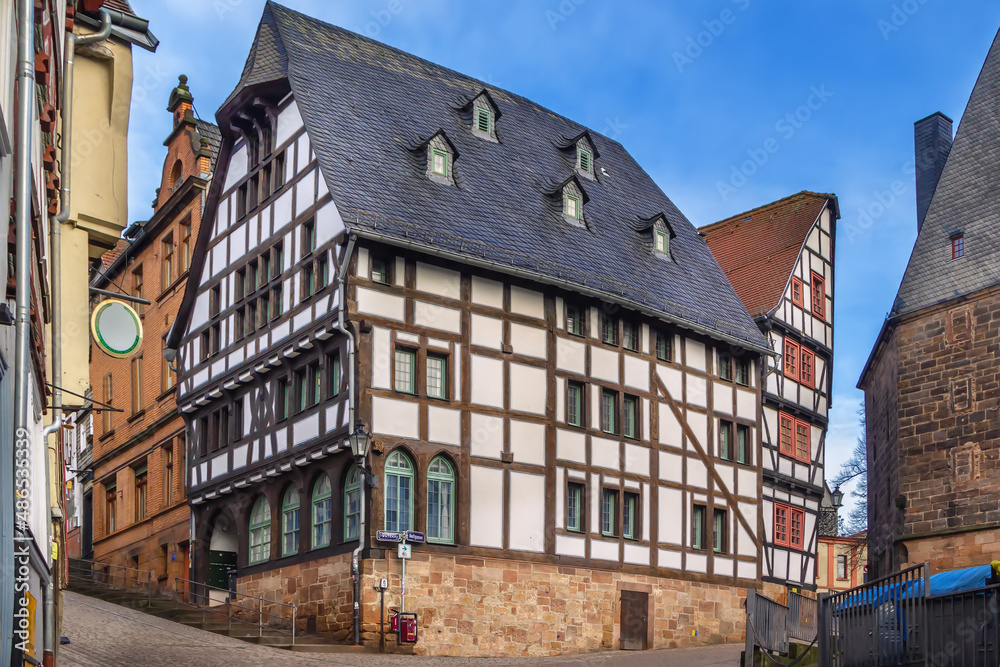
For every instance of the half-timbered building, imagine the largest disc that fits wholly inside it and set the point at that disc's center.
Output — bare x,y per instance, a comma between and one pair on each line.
779,258
562,387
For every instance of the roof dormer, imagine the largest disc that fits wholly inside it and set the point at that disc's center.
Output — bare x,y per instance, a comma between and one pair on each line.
437,156
481,113
572,199
657,232
581,150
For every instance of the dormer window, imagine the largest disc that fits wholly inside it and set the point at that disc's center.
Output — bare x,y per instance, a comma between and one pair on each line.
439,162
571,206
957,245
484,120
585,161
662,241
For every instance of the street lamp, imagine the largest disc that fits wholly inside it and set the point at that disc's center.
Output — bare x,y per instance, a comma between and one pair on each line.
837,498
360,441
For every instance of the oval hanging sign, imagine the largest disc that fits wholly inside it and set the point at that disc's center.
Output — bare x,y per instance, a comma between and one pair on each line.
116,328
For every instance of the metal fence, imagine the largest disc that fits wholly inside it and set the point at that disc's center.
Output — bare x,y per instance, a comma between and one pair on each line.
114,577
802,621
963,629
883,622
767,625
258,614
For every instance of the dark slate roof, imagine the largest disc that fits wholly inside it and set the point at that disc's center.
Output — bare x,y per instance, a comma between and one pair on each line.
965,201
758,249
134,29
366,105
214,136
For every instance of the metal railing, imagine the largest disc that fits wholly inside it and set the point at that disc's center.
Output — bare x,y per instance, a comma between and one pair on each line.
963,628
114,577
883,622
802,624
238,607
767,622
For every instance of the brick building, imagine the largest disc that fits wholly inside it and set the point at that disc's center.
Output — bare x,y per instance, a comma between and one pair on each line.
562,387
931,382
140,512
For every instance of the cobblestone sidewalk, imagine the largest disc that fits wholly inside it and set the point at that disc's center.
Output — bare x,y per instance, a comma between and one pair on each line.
106,635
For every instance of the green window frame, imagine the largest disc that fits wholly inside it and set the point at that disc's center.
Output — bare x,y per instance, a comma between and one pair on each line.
609,512
662,241
630,418
440,162
322,512
698,527
260,531
585,160
630,516
333,373
609,329
437,376
381,270
630,336
440,501
725,440
290,522
574,403
575,508
742,444
283,399
663,346
352,504
609,408
725,366
484,120
719,531
574,320
308,237
743,372
571,206
405,371
398,492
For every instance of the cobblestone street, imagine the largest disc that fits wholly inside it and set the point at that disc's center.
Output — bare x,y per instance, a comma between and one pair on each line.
106,635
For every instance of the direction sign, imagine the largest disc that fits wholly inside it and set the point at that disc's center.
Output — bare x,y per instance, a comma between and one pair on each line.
389,536
413,536
404,550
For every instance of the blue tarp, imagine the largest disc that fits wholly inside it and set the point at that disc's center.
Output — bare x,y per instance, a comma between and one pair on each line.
956,581
953,581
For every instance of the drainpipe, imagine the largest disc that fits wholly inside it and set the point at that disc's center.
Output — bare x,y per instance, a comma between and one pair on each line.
351,410
55,262
22,317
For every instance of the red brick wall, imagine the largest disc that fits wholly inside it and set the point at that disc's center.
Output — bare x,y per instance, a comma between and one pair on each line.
933,435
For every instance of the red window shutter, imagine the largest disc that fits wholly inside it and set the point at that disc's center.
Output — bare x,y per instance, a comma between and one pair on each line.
802,448
797,292
818,297
781,524
806,372
787,425
791,360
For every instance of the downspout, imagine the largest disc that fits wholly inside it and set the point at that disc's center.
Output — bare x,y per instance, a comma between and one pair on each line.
22,323
351,409
55,262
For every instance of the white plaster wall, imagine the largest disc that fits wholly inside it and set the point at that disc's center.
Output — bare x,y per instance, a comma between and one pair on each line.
438,281
571,355
486,507
527,510
487,292
529,341
373,302
486,437
527,442
527,302
392,417
487,331
444,425
571,445
529,389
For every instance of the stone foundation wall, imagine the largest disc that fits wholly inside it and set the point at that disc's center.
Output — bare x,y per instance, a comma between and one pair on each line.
475,607
951,552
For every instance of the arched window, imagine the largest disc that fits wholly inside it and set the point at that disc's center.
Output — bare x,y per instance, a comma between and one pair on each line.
290,522
260,531
440,501
352,504
175,173
322,503
398,492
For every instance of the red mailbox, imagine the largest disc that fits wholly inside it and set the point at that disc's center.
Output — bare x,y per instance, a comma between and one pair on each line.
393,619
407,627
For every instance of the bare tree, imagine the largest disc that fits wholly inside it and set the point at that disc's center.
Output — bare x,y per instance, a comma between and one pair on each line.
856,469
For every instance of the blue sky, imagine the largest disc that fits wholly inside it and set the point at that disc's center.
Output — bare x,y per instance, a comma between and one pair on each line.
692,89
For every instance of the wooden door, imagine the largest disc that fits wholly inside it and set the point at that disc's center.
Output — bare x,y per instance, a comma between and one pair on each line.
634,621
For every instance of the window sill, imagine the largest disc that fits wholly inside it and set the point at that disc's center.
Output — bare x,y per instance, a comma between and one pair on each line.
107,434
171,390
136,416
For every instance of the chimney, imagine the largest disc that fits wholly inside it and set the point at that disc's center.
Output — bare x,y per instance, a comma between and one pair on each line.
931,142
181,102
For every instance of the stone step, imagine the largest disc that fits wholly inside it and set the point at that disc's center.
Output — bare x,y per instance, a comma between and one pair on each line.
325,648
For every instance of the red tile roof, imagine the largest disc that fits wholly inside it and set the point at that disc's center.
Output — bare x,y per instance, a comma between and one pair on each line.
108,258
758,249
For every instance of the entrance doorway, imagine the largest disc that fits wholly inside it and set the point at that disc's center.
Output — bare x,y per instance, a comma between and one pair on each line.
634,621
222,550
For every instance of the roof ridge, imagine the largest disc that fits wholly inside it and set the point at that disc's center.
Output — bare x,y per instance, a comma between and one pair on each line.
803,194
485,86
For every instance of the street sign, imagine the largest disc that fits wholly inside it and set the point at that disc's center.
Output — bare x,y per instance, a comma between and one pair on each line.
389,536
116,328
404,550
412,536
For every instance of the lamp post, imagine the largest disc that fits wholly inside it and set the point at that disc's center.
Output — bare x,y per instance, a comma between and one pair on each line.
360,441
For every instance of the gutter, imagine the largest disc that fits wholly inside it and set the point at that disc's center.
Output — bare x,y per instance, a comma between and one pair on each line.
351,412
55,243
571,287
